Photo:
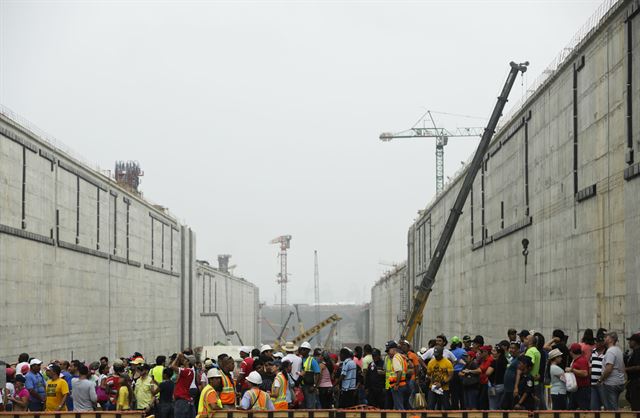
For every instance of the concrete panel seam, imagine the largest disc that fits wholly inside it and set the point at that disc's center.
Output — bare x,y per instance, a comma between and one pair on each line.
17,139
88,179
159,270
161,220
81,249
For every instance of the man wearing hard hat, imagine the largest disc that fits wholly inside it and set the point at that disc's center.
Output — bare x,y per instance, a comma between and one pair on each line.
209,400
254,398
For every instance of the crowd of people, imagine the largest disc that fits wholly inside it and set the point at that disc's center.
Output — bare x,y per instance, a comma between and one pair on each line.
521,372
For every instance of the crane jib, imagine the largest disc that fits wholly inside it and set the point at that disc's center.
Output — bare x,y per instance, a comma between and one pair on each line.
420,300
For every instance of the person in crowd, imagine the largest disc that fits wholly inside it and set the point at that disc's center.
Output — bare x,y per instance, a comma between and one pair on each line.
416,364
112,384
439,372
57,389
183,401
347,380
632,368
597,357
266,353
290,350
612,378
534,354
325,383
125,393
524,394
512,335
144,390
228,394
280,394
35,384
20,397
23,360
209,401
558,386
510,376
466,342
523,336
398,379
310,375
84,391
496,373
455,385
255,398
164,391
470,377
587,342
158,369
374,380
580,399
367,358
246,367
541,399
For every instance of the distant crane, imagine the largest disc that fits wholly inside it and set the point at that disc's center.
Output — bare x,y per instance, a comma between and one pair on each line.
283,278
440,134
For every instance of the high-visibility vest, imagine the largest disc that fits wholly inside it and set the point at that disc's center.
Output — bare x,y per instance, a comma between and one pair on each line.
403,375
388,372
228,395
258,399
203,406
307,364
280,401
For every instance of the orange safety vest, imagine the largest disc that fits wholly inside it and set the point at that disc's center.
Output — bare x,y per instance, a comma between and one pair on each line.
403,376
228,394
204,409
258,399
280,402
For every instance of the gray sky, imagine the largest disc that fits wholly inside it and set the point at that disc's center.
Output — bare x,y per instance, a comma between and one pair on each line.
258,119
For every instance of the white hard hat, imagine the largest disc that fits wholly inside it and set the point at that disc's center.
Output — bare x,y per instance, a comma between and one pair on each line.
306,345
255,378
213,373
265,347
245,349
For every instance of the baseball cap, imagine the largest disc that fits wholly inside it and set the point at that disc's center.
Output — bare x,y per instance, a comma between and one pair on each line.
24,370
35,362
479,339
524,333
278,355
455,339
575,348
486,348
635,337
437,351
245,349
466,338
54,368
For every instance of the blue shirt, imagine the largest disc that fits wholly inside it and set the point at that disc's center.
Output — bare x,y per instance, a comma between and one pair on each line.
459,353
349,372
35,381
68,378
315,367
510,375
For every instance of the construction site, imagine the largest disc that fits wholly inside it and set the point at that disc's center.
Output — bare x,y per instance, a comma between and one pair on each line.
551,216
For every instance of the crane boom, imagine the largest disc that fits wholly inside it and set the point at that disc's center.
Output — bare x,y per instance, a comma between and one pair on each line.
423,290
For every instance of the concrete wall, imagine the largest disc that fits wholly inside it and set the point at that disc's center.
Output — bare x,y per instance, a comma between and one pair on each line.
233,299
571,190
388,306
86,266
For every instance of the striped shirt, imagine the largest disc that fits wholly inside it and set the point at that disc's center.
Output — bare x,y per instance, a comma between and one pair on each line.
596,366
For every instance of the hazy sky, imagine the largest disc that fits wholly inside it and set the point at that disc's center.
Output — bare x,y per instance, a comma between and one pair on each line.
257,119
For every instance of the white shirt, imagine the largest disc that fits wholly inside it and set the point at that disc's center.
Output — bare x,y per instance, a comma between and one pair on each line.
20,365
445,353
296,364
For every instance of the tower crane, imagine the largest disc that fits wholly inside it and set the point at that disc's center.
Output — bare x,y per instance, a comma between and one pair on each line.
421,130
283,276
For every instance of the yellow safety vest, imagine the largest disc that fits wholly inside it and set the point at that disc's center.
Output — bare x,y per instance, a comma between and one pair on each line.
203,406
280,401
403,375
388,372
258,400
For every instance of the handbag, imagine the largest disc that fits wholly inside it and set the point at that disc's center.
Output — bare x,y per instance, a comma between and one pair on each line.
420,401
101,394
571,382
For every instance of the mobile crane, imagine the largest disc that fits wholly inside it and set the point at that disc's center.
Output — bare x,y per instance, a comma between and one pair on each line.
423,290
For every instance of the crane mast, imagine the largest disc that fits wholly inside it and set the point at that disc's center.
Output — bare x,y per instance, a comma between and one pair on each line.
283,276
423,290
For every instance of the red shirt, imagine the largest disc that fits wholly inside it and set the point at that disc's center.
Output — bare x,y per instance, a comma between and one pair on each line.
246,367
484,379
582,363
181,390
113,386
